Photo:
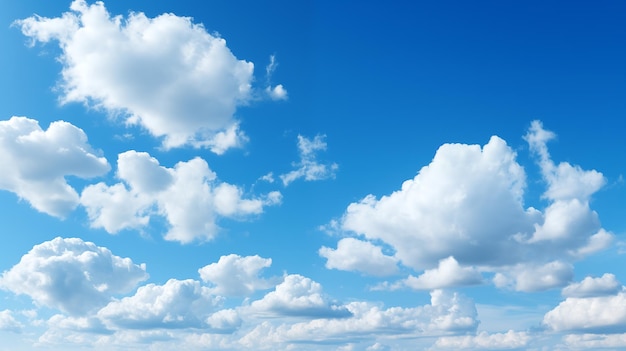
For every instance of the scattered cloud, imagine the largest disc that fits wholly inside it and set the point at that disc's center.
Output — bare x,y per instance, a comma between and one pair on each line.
166,74
38,161
360,256
9,323
234,275
277,92
591,287
595,341
308,167
72,275
599,314
468,204
188,196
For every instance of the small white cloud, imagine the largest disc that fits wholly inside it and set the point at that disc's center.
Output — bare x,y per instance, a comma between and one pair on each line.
224,321
361,256
448,274
72,275
277,92
9,323
166,74
533,277
595,341
592,314
484,341
308,167
37,162
298,296
234,275
176,304
188,196
591,287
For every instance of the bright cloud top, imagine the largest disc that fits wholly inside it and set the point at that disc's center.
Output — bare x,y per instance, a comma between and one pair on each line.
188,196
234,275
37,162
72,275
309,167
466,207
361,256
166,74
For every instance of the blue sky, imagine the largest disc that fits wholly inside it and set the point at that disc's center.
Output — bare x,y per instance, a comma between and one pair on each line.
312,175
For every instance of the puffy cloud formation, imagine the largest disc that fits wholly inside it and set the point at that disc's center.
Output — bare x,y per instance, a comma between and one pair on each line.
447,312
176,304
361,256
298,296
188,196
468,204
9,323
234,275
484,341
166,74
37,162
590,287
448,274
308,167
591,314
72,275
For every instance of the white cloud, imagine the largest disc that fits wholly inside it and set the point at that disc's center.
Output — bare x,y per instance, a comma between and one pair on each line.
234,275
72,275
591,314
277,92
9,323
188,196
590,287
448,312
484,341
534,277
448,274
308,167
468,204
176,304
595,341
361,256
37,162
298,296
166,73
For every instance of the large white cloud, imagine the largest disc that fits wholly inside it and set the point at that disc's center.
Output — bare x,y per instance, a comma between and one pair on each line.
165,73
298,296
188,196
176,304
72,275
234,275
591,314
361,256
484,341
36,162
309,167
468,204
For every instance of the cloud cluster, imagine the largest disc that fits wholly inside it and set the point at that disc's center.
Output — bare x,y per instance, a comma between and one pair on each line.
234,275
484,341
166,74
361,256
188,196
72,275
464,213
309,167
38,161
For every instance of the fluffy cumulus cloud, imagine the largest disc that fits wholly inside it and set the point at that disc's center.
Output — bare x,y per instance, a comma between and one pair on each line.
234,275
447,312
484,341
298,296
72,275
590,287
176,304
449,273
468,204
38,161
589,314
361,256
188,196
309,167
166,74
